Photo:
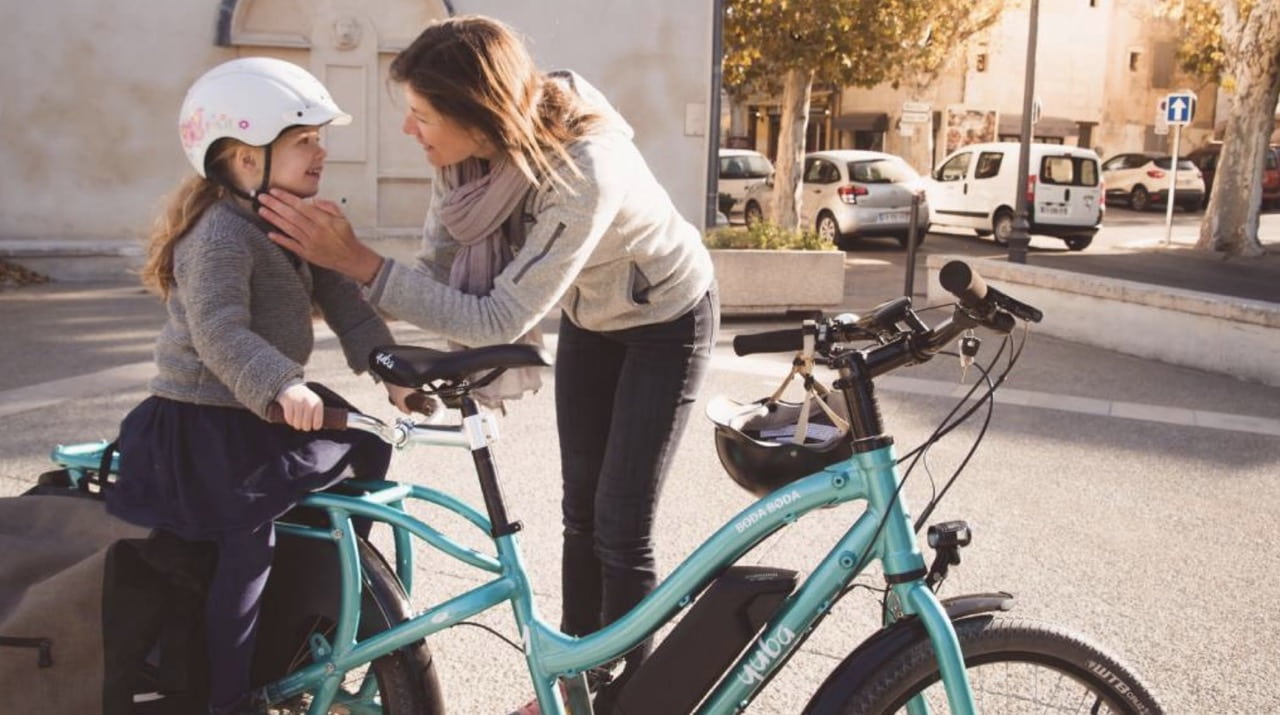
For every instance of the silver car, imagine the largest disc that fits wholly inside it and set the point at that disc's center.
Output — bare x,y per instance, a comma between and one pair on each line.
849,194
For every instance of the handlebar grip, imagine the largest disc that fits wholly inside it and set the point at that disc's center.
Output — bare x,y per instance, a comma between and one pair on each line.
773,341
964,283
973,293
334,417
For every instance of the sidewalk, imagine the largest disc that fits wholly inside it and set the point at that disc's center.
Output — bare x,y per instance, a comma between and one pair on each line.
1178,265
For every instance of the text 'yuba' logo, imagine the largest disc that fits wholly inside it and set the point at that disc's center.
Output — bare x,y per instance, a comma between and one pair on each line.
767,650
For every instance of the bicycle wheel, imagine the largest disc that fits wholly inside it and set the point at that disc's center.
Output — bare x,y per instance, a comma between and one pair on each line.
1014,666
299,603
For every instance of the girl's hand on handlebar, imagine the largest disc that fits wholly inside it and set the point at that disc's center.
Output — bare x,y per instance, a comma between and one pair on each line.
303,409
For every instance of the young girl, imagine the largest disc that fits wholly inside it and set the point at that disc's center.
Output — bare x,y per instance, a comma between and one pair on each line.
522,152
197,457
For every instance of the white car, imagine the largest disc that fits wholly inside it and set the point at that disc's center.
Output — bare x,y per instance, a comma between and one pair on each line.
1142,180
850,194
976,187
739,170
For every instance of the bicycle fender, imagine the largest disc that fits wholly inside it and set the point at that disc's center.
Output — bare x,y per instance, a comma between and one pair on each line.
848,677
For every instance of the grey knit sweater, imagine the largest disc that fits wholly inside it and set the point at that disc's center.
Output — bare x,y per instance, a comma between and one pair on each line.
239,326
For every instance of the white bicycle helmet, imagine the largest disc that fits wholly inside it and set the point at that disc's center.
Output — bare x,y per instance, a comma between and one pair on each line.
251,99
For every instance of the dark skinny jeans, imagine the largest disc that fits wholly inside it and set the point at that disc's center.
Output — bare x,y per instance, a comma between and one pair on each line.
623,399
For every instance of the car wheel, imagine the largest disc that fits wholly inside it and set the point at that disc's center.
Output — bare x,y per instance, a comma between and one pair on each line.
1139,199
1078,243
828,229
904,239
1002,226
752,215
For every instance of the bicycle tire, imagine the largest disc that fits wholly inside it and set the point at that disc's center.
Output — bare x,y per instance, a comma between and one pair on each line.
1007,660
406,678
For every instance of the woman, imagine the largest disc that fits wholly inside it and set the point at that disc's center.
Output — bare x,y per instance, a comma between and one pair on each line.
197,457
541,163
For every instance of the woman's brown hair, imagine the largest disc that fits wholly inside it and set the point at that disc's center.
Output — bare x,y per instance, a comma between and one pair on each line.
476,71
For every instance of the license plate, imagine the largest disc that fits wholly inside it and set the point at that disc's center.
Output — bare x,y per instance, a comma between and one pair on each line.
892,217
1053,209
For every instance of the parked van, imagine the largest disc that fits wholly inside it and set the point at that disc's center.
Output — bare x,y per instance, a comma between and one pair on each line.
739,170
976,187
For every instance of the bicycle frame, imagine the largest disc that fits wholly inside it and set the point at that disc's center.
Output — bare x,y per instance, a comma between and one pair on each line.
883,532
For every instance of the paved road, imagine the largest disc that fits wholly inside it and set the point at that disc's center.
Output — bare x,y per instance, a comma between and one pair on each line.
1129,500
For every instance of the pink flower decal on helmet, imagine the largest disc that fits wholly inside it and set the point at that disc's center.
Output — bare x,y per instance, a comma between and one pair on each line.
192,128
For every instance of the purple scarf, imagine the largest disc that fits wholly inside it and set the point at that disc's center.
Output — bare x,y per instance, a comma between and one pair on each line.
475,207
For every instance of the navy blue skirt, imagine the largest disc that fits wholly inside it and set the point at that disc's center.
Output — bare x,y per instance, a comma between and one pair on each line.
198,470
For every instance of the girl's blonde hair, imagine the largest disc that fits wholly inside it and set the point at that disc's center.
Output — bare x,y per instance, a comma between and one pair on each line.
183,208
476,71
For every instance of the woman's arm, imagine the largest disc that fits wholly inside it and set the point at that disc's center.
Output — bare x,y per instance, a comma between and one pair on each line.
568,225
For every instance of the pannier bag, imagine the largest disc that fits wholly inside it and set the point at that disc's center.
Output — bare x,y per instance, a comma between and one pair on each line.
64,563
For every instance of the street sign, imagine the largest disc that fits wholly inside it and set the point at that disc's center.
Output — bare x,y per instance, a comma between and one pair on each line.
916,112
1180,108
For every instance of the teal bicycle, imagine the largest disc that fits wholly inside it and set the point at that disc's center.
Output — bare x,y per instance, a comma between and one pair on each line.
354,645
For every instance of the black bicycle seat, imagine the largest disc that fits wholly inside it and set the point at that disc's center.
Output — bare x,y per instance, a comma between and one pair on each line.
412,366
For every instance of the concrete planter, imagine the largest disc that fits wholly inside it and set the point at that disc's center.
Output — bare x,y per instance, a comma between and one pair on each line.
759,282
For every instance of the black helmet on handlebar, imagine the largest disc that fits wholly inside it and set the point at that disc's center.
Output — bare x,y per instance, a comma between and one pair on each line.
757,442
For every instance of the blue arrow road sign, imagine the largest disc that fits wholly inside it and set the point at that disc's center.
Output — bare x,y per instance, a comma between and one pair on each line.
1180,108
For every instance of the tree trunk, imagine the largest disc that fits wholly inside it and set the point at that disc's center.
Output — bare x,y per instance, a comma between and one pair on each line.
796,91
738,118
1231,220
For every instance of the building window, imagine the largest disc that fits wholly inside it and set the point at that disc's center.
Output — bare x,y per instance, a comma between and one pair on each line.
980,64
1135,59
1162,62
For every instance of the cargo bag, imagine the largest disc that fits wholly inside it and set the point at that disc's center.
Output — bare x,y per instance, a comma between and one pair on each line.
97,615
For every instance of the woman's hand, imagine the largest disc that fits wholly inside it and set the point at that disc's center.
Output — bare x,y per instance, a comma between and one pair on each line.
397,394
303,409
319,233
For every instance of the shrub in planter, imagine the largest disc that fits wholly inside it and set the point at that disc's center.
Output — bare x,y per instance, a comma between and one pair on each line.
764,269
765,236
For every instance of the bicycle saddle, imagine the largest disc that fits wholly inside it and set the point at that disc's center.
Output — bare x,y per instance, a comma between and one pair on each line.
412,366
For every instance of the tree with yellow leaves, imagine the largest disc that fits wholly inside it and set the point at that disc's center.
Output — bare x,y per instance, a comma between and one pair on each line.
788,45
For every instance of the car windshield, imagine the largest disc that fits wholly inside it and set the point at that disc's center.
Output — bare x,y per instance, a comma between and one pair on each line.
1166,162
881,171
745,166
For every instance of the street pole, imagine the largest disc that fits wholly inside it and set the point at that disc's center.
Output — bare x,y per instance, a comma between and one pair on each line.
1173,183
913,231
1020,236
712,206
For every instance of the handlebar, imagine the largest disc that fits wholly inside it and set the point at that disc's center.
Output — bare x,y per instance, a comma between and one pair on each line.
339,418
334,417
903,338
